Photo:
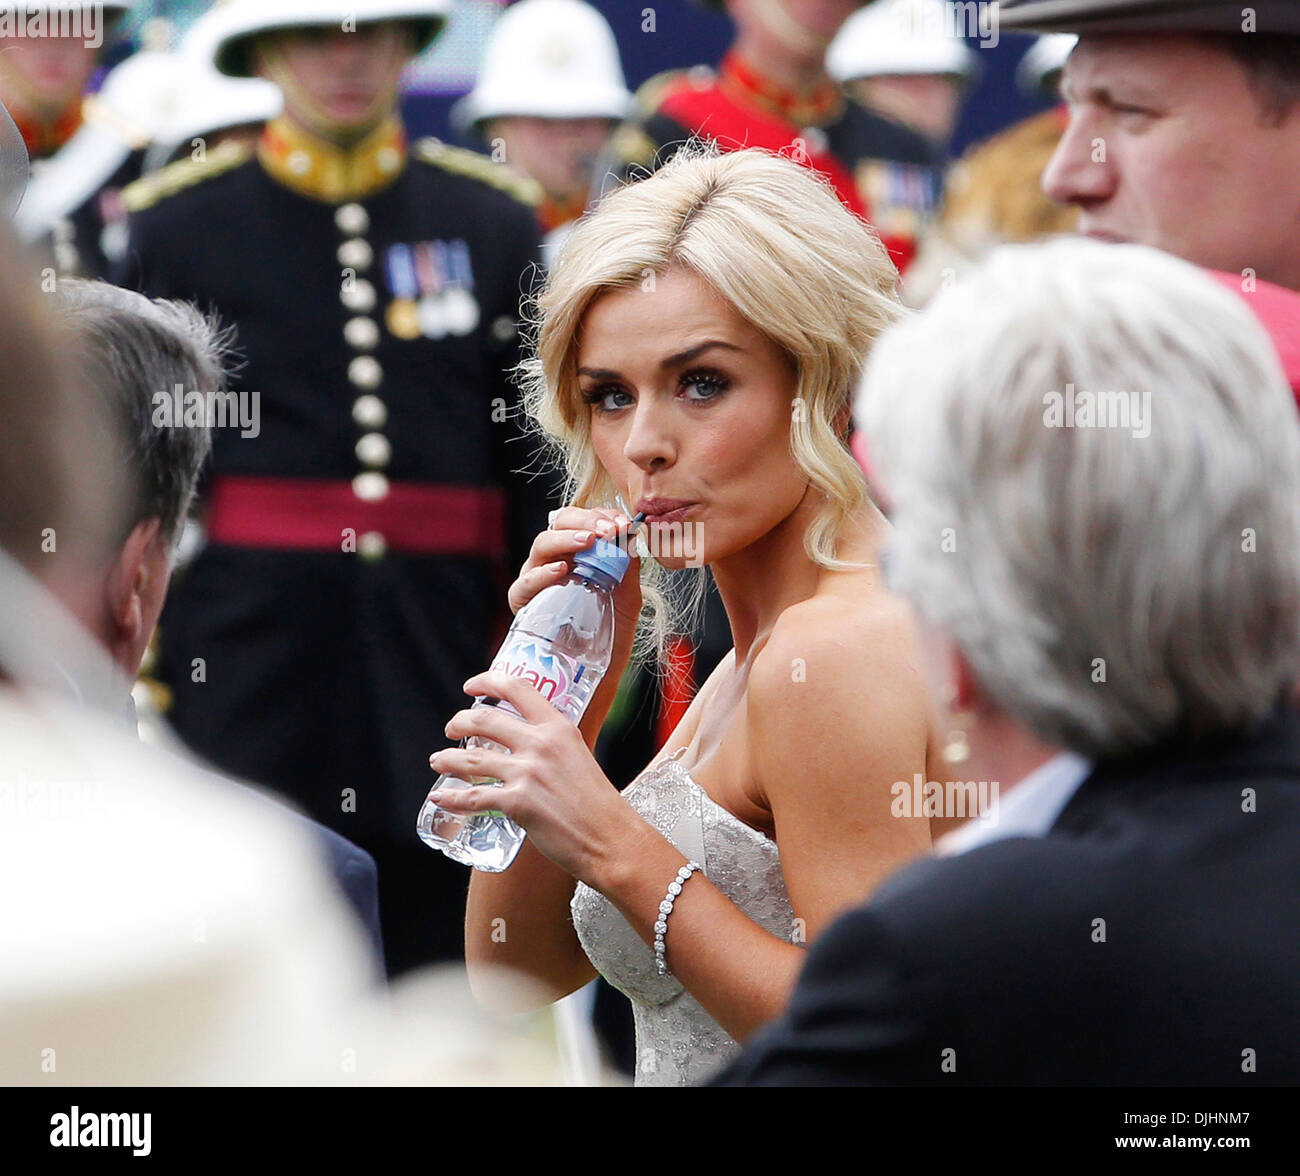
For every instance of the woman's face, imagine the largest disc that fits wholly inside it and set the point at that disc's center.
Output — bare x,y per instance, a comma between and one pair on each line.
690,407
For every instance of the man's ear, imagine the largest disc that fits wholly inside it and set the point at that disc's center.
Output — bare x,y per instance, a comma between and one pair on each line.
967,694
136,584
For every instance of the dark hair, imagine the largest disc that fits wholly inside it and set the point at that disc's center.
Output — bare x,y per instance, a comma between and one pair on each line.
128,349
1272,65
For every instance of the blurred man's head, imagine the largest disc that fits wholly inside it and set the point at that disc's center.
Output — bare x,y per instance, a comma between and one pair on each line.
61,499
125,351
803,27
339,84
549,95
1189,143
40,77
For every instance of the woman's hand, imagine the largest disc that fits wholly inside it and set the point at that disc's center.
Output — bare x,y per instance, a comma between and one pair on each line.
573,529
551,783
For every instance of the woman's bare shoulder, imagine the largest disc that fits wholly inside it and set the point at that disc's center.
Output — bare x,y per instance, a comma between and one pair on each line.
838,680
844,637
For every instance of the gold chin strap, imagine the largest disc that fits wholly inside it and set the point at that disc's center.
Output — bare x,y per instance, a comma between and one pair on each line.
311,113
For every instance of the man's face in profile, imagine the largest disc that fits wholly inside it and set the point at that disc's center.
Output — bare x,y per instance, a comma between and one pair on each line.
1169,146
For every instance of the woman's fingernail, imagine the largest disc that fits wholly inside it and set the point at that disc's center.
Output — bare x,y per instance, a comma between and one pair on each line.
582,537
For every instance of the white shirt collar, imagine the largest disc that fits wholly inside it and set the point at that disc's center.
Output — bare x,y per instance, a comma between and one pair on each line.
1027,810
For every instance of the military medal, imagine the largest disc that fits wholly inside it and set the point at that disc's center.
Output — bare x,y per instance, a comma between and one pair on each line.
432,276
462,306
402,318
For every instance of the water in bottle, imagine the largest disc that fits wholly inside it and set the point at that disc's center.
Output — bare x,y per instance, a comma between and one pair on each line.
561,643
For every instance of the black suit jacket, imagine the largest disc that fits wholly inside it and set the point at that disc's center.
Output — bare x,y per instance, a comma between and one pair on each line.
1151,938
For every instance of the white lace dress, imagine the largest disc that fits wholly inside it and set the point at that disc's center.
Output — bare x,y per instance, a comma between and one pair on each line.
677,1042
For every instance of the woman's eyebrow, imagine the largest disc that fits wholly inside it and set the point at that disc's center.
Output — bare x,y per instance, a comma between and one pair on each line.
695,352
672,361
675,360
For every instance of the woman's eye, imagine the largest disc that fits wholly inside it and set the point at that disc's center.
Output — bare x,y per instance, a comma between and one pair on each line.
604,399
706,385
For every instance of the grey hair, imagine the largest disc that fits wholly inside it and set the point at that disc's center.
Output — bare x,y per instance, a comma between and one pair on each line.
1110,587
128,348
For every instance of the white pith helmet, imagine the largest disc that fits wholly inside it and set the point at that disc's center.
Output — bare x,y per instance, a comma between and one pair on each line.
898,37
235,24
548,59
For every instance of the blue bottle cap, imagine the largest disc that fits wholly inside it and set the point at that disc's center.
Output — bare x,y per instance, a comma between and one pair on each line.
602,556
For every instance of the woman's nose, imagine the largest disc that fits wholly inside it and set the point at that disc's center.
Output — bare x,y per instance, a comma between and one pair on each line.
649,441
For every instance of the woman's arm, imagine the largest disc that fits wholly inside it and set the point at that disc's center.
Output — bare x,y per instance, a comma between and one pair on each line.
835,714
519,919
827,744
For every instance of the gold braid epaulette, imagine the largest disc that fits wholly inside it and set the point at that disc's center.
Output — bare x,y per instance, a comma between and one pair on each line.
479,167
182,174
651,93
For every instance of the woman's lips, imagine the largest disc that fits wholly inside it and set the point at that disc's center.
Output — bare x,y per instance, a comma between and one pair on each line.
672,516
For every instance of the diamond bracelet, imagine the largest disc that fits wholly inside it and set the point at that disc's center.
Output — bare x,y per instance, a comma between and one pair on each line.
666,909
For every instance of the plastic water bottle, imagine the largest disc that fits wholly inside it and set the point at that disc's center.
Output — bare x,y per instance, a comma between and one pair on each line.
561,642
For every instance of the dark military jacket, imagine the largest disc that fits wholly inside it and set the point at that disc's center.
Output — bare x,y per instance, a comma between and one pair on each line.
365,506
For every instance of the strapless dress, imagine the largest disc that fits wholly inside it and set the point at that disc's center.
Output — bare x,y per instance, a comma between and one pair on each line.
677,1042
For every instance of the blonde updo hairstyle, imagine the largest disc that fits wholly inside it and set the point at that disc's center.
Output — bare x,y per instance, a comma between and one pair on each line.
772,238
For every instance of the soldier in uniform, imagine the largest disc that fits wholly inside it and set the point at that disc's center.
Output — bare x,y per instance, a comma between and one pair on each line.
83,149
365,514
772,90
905,59
994,193
549,96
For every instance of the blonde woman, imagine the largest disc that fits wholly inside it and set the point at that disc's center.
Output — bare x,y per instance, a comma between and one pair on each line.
697,346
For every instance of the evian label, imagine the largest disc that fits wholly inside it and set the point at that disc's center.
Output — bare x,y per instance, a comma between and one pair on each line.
553,675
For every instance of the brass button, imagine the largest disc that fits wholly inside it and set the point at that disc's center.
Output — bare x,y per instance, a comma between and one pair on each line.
389,159
374,449
369,412
361,333
356,254
365,372
370,487
351,219
359,295
372,546
299,163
